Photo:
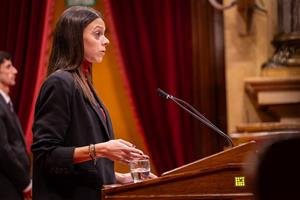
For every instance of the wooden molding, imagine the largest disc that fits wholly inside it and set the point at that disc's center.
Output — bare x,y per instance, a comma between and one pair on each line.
267,126
273,90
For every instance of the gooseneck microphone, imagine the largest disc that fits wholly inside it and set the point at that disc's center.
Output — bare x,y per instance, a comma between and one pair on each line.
195,113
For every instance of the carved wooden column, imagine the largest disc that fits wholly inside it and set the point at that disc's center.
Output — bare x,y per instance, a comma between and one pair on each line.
286,58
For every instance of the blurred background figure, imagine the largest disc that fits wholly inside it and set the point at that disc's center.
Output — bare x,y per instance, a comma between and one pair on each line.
15,181
277,170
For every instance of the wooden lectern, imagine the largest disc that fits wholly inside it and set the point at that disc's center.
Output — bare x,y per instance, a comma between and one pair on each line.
219,176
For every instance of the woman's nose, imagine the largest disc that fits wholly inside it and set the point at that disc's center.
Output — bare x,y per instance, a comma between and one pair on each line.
105,41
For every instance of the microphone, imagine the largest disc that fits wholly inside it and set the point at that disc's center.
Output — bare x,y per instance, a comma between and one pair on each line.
163,94
195,113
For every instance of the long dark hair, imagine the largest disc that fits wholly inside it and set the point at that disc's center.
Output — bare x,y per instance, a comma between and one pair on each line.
67,49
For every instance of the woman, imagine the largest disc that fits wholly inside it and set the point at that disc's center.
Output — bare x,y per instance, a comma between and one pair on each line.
73,146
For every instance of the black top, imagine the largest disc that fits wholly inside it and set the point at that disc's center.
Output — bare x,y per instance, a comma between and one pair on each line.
65,119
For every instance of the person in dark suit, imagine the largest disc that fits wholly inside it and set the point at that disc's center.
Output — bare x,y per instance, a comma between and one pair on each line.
73,141
15,180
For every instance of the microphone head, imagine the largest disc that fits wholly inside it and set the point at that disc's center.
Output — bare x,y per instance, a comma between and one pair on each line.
163,94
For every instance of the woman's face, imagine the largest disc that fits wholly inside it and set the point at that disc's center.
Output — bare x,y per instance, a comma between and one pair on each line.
94,41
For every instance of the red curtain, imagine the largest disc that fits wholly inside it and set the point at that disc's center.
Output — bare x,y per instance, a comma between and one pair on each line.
154,39
24,31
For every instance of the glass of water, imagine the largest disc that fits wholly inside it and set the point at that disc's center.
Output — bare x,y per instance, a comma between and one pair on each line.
140,170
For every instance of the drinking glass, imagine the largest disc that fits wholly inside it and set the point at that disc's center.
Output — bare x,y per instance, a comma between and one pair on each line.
140,170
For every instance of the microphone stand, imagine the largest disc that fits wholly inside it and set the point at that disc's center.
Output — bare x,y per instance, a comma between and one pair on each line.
195,113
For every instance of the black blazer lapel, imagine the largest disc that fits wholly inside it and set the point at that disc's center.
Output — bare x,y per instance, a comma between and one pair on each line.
98,111
107,122
100,116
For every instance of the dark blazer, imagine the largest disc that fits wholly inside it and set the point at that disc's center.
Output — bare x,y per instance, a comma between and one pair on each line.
14,160
65,119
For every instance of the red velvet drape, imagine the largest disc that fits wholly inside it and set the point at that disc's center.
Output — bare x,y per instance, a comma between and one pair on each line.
155,43
23,32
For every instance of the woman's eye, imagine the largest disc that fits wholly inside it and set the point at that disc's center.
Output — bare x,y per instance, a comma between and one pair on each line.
98,33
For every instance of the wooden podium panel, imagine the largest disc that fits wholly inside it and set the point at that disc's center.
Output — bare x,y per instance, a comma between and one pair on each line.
233,155
219,176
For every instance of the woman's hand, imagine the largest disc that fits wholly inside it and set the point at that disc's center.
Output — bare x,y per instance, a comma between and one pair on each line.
123,178
119,150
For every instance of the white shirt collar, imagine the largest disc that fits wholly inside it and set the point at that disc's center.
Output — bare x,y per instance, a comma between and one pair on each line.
5,96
